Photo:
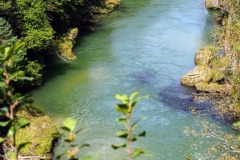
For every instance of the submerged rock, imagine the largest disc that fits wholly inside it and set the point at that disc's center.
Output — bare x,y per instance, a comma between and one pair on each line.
181,98
40,134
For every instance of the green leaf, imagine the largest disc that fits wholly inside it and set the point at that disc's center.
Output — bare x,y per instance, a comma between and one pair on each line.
121,134
117,146
236,124
22,122
142,134
2,139
137,152
11,131
133,95
83,145
59,156
11,155
3,111
133,138
22,145
122,120
69,124
65,129
25,78
122,98
123,108
2,84
4,124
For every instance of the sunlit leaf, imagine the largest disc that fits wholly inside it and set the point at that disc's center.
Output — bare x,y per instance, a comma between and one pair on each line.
123,98
11,155
236,124
2,139
121,134
22,122
133,95
4,124
69,123
11,131
2,84
117,146
122,120
83,145
133,138
142,134
137,152
3,111
123,108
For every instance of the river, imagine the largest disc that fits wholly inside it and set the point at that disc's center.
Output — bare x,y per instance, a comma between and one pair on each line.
144,46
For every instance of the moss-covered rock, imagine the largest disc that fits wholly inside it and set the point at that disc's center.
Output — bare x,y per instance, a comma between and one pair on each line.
218,76
112,4
109,6
41,133
65,44
220,63
212,88
197,75
210,4
205,55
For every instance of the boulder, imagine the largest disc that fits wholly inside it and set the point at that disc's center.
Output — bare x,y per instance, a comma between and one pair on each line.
212,4
41,133
213,88
197,75
65,44
110,5
205,56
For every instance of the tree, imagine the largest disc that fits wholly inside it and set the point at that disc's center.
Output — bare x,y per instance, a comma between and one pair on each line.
10,59
36,29
6,36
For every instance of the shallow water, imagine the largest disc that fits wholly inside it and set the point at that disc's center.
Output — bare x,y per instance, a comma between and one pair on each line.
147,46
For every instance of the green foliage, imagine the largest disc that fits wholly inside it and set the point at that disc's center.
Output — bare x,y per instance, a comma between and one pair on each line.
6,35
34,69
36,29
69,138
126,108
10,59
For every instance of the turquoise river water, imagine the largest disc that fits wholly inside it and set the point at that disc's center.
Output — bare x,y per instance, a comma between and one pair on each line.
144,46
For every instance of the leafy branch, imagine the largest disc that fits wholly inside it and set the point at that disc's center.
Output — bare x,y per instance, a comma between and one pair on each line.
126,108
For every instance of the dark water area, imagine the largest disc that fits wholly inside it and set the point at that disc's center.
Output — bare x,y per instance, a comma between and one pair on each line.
144,46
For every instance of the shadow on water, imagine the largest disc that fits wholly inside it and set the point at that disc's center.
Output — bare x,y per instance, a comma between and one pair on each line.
180,97
57,69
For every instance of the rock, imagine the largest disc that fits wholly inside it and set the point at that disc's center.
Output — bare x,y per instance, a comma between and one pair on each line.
41,133
212,4
212,88
205,56
218,76
197,75
65,44
110,5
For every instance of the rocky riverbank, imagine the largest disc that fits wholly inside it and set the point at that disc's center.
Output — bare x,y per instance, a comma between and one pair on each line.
217,69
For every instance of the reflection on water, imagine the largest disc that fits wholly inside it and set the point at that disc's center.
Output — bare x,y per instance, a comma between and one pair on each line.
146,45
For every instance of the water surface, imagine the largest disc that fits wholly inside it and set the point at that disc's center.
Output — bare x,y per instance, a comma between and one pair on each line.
144,46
